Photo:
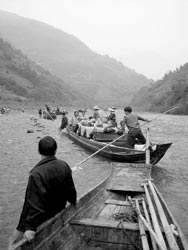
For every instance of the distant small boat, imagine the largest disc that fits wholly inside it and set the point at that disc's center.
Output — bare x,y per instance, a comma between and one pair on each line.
118,153
49,116
107,218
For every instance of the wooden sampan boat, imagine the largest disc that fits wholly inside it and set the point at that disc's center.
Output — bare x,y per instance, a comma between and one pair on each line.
106,218
49,116
119,153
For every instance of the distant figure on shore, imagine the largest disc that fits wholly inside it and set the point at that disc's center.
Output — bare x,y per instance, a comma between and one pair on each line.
131,121
40,113
48,108
64,121
50,186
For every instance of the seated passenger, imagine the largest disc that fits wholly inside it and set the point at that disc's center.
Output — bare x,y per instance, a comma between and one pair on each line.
90,121
96,112
75,120
98,123
99,114
112,117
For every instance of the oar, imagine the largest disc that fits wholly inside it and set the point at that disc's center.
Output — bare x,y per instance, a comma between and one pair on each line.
165,112
50,115
77,166
144,239
147,147
155,221
155,237
149,222
80,163
167,229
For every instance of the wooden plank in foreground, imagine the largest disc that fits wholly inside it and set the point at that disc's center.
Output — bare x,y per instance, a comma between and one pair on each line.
129,179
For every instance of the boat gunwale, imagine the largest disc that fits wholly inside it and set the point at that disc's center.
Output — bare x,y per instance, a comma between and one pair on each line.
92,145
68,209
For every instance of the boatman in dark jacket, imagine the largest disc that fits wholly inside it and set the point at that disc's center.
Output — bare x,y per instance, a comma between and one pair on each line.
49,187
131,121
64,121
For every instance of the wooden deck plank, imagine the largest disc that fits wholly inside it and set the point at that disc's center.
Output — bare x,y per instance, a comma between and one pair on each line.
126,187
104,223
128,180
107,211
107,232
116,202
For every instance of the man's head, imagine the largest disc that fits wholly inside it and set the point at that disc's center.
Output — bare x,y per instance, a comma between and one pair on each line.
47,146
128,110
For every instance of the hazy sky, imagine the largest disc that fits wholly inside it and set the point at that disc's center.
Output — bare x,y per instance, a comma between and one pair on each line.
150,36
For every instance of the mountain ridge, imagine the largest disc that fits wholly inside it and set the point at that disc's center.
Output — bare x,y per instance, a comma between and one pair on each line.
170,91
64,55
22,81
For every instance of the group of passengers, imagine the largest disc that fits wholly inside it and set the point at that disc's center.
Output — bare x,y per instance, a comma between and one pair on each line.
109,123
97,120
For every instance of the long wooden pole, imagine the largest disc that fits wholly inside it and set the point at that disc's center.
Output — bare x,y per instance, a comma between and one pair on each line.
147,147
179,230
159,243
165,112
50,115
153,216
144,239
80,163
149,222
168,232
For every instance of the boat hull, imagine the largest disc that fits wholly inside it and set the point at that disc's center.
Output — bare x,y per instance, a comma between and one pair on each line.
117,153
96,224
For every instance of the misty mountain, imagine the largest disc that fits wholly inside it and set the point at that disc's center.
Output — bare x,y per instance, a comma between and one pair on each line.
170,91
22,81
100,78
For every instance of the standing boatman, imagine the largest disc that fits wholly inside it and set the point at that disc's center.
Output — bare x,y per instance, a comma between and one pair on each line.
131,121
50,186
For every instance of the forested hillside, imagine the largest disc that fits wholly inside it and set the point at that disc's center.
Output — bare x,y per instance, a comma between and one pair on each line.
22,81
170,91
99,78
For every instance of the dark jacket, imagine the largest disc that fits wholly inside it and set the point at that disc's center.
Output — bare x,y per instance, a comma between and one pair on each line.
64,122
112,118
50,186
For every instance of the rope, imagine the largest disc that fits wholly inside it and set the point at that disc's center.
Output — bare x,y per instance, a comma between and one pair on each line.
129,217
122,216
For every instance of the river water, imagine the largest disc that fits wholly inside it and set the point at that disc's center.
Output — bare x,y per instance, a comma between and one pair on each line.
18,154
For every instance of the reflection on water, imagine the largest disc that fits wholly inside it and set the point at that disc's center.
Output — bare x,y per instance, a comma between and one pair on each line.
18,154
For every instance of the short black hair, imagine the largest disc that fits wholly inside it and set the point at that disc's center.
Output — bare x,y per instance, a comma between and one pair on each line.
47,146
128,109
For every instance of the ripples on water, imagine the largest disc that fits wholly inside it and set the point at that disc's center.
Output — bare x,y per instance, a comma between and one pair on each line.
18,154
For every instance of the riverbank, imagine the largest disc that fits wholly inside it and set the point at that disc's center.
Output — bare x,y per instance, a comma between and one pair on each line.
18,154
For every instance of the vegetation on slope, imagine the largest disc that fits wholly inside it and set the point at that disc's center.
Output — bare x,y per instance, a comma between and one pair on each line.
100,79
170,91
21,80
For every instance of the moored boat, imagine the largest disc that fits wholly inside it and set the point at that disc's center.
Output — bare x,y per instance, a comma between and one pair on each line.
112,216
49,116
118,153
